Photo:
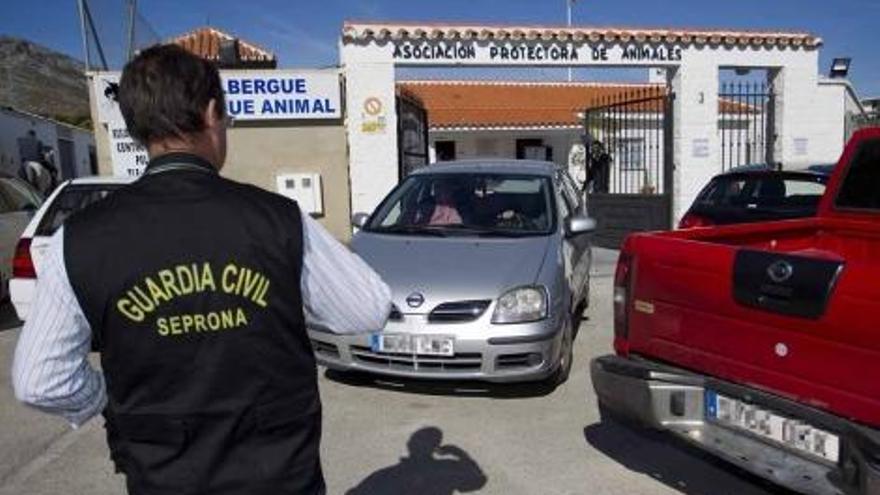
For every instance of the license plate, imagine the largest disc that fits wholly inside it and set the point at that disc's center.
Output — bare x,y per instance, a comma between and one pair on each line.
792,433
420,345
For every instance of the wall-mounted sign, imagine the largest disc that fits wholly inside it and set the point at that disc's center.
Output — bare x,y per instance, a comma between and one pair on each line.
801,146
282,94
128,157
373,116
528,52
373,106
700,148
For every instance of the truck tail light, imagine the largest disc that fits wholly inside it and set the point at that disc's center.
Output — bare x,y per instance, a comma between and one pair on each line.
22,263
690,221
622,296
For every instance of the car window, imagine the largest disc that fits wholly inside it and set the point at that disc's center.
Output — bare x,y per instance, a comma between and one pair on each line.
17,196
70,200
766,190
467,203
861,187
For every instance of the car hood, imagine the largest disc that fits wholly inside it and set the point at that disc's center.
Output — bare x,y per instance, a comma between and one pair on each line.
451,269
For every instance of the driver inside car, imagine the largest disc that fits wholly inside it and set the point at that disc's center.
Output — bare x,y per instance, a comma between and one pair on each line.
444,206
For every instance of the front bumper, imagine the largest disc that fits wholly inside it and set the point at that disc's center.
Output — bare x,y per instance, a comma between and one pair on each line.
672,400
526,352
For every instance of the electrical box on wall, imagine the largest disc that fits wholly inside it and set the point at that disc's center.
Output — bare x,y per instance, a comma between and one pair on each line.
305,189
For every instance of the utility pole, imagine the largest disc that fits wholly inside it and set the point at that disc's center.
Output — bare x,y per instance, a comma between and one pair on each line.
82,19
568,4
132,19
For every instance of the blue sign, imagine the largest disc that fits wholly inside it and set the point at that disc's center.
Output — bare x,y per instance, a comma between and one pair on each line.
282,94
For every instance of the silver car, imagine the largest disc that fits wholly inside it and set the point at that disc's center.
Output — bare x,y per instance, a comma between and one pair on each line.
488,263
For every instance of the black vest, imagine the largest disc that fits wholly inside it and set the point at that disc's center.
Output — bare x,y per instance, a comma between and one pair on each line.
191,285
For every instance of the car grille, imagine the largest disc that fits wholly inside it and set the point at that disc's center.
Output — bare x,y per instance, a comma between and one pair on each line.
325,349
460,362
458,311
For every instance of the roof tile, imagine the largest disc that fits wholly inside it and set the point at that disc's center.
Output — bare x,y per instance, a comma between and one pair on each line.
205,42
381,30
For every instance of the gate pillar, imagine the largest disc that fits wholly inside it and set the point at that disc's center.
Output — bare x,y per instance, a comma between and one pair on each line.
799,123
371,124
695,132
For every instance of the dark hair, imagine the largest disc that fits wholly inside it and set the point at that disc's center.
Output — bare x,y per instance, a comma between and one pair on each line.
164,91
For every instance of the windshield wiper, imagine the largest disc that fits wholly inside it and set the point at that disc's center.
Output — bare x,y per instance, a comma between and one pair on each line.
410,229
510,233
487,232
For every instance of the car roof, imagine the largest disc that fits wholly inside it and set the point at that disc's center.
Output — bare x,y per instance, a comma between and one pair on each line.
491,166
756,171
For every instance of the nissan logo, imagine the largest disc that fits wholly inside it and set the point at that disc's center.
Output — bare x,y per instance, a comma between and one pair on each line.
780,271
415,300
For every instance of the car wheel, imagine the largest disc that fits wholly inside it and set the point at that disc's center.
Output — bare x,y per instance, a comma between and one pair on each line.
566,357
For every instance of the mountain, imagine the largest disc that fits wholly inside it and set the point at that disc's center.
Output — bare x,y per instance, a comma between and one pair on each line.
38,80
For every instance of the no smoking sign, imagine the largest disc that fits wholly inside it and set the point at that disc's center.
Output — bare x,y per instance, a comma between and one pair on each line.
373,106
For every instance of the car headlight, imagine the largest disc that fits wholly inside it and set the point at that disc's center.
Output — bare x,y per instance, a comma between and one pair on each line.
521,305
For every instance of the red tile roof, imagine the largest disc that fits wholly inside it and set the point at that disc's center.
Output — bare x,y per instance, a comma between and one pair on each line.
479,104
432,31
205,42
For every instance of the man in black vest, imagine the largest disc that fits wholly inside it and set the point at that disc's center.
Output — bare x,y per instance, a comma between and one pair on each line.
197,291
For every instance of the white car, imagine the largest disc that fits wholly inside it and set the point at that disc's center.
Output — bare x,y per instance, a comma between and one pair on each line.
18,202
70,197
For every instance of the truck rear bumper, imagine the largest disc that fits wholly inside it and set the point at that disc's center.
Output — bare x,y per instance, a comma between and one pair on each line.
673,400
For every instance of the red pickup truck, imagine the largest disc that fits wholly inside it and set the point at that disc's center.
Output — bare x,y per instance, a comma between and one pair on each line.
760,343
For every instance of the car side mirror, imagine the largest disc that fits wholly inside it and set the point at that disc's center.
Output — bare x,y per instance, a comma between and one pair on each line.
360,220
579,224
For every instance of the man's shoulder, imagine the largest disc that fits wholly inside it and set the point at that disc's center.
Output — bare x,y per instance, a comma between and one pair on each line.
98,210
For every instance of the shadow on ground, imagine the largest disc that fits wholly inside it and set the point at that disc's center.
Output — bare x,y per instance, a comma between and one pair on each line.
430,468
446,387
672,462
8,320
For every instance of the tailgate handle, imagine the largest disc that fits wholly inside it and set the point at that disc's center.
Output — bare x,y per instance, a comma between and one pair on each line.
775,293
786,284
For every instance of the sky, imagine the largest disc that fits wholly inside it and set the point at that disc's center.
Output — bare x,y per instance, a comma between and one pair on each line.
305,33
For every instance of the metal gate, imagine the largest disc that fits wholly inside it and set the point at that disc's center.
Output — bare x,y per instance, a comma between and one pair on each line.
746,124
629,163
412,134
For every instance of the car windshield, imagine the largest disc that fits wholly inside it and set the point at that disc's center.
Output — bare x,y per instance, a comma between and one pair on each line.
467,204
763,191
70,200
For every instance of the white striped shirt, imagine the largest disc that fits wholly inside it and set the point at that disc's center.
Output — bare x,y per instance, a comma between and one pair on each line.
50,371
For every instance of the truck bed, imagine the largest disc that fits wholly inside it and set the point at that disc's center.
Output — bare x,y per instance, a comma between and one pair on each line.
691,309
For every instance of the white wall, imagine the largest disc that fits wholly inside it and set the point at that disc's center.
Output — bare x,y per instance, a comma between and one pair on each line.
502,143
829,118
14,125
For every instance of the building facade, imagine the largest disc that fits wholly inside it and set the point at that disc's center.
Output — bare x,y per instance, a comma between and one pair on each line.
800,130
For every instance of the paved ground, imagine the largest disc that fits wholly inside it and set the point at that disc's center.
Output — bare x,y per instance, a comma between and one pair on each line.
498,440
